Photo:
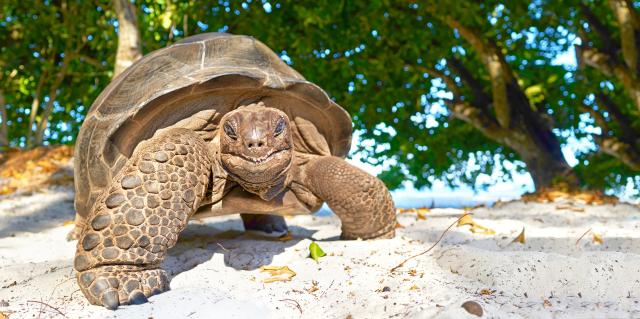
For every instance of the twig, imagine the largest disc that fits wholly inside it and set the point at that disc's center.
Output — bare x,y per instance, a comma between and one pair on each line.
585,234
297,304
219,244
325,291
48,305
432,246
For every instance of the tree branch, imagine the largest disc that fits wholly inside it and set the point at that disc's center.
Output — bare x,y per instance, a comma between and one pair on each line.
129,47
480,98
479,120
494,61
608,66
608,45
625,16
451,84
4,130
620,150
628,133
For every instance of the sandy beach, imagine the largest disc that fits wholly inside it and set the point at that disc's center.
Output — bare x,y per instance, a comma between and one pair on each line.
215,267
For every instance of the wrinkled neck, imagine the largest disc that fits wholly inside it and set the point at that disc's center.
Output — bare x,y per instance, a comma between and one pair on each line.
266,190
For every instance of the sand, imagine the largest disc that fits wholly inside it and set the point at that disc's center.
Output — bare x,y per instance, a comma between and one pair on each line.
215,268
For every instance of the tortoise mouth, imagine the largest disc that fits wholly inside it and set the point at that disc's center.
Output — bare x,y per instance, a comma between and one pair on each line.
262,159
257,170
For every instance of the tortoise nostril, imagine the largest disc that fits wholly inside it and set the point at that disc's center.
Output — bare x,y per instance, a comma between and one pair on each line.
260,144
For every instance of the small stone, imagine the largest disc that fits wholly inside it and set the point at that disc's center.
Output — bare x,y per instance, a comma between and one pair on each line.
114,200
134,217
130,181
110,253
161,157
473,308
386,289
100,222
90,241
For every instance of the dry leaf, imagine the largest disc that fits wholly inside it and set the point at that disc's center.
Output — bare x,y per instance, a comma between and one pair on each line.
597,238
520,238
278,273
475,228
414,287
313,288
421,212
486,291
547,303
398,225
4,315
68,222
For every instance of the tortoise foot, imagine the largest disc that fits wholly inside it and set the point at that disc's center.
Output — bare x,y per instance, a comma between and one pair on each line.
265,225
75,233
112,286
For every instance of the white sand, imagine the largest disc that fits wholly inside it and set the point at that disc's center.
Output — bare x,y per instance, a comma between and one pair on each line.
215,270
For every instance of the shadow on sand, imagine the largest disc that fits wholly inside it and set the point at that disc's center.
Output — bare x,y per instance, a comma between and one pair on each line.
200,242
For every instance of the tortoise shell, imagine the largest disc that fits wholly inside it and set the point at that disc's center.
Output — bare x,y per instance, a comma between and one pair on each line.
202,77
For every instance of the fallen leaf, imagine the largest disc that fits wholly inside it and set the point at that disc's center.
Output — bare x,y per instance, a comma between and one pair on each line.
398,225
475,228
313,288
520,238
486,291
547,303
4,315
414,287
315,252
277,273
597,238
68,222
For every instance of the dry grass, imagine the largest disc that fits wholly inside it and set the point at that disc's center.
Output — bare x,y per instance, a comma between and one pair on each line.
35,168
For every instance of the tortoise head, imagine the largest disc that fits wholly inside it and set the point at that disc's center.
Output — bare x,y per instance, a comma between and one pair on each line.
256,147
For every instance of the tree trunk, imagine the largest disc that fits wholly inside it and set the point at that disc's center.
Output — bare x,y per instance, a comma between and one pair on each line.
48,108
545,161
35,108
4,131
129,48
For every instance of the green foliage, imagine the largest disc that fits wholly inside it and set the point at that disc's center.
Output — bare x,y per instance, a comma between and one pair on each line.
371,56
315,252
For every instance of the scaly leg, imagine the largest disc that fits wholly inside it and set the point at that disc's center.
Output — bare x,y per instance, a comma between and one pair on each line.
139,218
269,225
362,201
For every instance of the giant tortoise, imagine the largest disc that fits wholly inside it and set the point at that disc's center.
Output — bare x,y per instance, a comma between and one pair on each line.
214,124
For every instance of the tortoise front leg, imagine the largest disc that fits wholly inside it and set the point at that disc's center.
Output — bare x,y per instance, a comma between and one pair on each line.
361,200
139,218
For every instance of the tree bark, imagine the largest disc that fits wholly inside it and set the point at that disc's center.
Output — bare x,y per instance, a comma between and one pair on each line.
48,108
35,108
4,129
129,47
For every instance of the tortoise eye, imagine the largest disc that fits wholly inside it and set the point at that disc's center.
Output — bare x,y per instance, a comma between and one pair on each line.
230,131
279,127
